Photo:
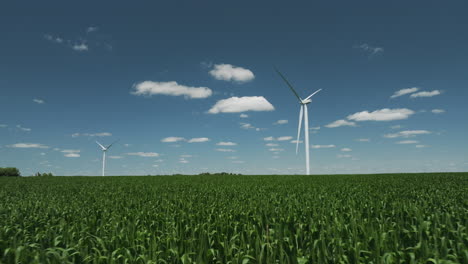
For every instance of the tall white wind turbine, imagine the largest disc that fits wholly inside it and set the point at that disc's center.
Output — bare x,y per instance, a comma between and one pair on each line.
302,113
104,150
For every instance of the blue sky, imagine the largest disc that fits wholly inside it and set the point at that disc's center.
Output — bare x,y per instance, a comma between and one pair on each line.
171,80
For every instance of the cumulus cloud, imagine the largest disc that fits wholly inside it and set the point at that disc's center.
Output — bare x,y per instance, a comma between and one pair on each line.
28,145
100,134
185,156
172,139
72,155
395,127
55,39
269,138
226,144
228,72
421,146
339,123
246,126
271,145
281,122
408,142
314,128
426,94
198,140
243,116
241,104
438,111
115,157
404,91
385,114
150,88
143,154
371,50
284,138
346,149
80,46
322,146
295,141
344,156
225,150
38,101
407,133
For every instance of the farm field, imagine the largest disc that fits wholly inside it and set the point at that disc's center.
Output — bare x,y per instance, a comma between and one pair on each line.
387,218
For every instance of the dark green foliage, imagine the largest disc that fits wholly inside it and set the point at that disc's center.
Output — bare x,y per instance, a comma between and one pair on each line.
9,171
38,174
395,218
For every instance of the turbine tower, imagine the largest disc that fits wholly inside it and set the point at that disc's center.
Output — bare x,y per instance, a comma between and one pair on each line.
302,113
104,149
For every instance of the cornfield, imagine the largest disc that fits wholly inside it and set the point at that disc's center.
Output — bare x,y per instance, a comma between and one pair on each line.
394,218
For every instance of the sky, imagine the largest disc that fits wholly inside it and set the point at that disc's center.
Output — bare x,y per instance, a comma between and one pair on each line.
189,86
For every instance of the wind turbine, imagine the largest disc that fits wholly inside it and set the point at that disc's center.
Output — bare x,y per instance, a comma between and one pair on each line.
302,113
104,149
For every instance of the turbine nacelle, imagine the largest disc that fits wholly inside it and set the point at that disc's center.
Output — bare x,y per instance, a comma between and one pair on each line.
305,101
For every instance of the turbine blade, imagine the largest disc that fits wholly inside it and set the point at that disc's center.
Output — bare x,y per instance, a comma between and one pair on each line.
108,147
299,128
313,94
103,148
290,86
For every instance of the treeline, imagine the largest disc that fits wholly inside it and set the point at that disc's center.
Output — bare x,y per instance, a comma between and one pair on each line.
10,172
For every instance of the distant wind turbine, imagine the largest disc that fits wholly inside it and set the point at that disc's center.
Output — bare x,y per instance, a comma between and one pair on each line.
104,150
302,112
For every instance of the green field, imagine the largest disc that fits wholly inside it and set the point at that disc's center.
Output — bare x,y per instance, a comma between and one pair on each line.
394,218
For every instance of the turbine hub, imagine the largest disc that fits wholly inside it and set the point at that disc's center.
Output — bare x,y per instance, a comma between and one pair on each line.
307,101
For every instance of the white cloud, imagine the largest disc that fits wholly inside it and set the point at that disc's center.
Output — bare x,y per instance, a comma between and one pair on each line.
149,88
276,149
28,145
339,123
280,122
243,116
370,49
228,72
72,155
269,139
426,94
346,149
363,139
407,133
225,150
232,157
408,142
396,127
172,139
155,165
143,154
101,134
53,38
92,29
385,114
115,157
39,101
314,128
344,156
271,145
246,126
421,146
70,151
322,146
404,91
183,161
295,141
438,111
226,144
241,104
284,138
80,47
185,156
23,128
198,140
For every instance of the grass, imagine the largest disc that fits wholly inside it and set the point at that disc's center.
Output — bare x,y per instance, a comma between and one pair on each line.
387,218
